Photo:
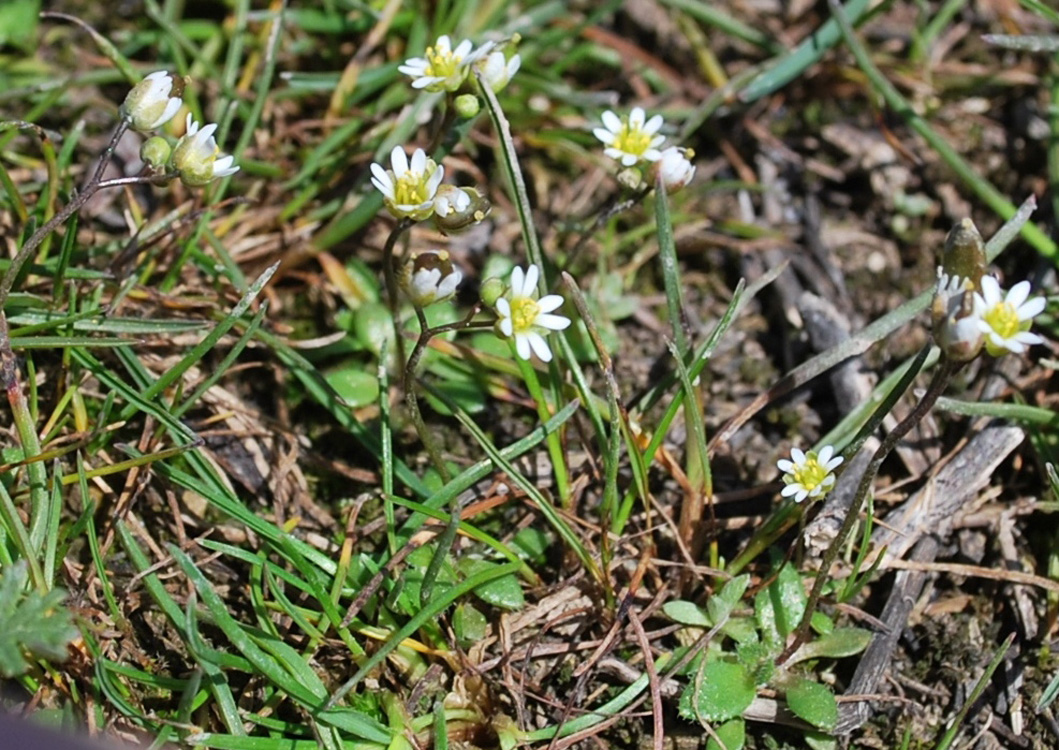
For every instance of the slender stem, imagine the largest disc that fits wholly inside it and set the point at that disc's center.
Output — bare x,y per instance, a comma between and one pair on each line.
67,211
390,275
937,387
412,400
9,375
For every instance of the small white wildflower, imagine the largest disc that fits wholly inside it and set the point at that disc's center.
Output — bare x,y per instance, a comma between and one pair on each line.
1005,320
675,169
409,188
429,277
631,139
809,474
443,68
153,101
527,319
497,70
956,328
195,156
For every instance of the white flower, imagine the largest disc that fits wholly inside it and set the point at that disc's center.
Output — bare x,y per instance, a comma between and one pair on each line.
195,156
956,322
408,189
809,474
497,70
526,318
1005,320
631,139
675,169
443,68
429,277
149,105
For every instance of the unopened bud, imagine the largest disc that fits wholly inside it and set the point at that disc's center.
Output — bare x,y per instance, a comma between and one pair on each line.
956,323
429,277
457,209
492,289
155,152
674,170
153,101
467,106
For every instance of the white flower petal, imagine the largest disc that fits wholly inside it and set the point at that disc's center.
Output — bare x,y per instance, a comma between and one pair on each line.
522,345
419,161
552,322
652,126
791,489
611,121
798,456
399,162
1031,309
529,286
517,275
539,346
550,302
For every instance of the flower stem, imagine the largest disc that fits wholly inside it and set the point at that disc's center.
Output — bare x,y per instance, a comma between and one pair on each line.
412,400
937,387
390,275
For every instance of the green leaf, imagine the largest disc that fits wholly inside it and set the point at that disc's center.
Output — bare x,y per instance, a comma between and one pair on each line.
686,613
780,606
18,24
813,702
721,604
470,624
731,733
839,643
32,625
504,592
723,691
355,386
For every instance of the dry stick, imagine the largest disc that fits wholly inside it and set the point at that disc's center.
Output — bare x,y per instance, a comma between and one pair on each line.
937,387
652,681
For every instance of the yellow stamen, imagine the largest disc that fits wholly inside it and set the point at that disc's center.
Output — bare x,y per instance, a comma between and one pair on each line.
1003,318
524,312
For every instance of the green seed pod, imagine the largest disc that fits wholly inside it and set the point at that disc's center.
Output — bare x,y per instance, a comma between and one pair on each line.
964,254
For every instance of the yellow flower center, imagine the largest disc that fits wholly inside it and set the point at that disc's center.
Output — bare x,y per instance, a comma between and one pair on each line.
810,474
524,312
1003,318
441,63
632,140
410,189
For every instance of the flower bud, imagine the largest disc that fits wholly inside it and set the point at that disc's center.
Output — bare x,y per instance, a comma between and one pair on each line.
674,170
467,106
964,254
492,289
456,209
956,321
429,277
153,101
497,70
155,152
